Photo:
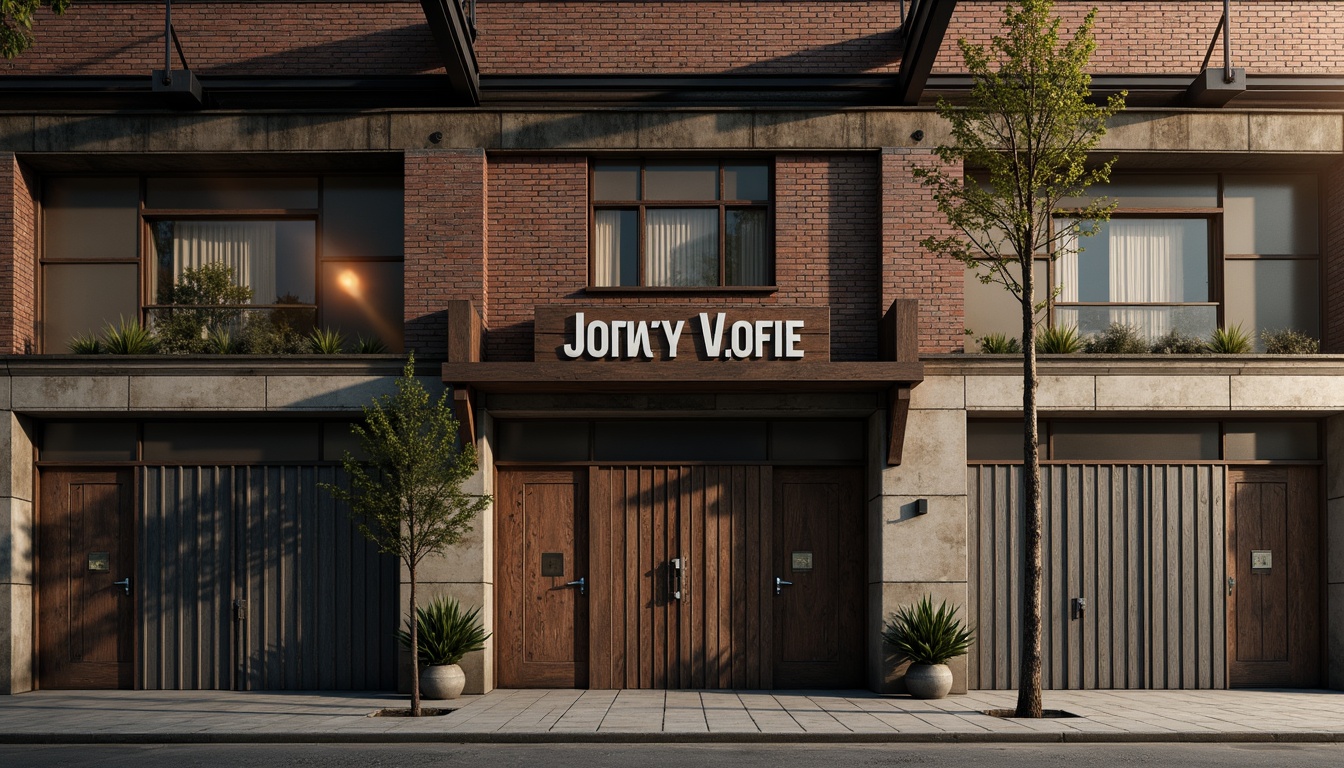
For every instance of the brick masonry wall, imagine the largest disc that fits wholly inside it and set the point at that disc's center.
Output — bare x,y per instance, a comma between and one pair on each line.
18,243
445,241
1332,326
908,271
826,230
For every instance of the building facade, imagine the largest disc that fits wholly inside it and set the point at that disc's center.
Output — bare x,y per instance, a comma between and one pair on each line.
665,259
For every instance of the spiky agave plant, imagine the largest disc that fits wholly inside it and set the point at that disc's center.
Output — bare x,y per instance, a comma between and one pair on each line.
1230,341
327,341
999,344
1059,340
85,345
369,346
446,633
129,337
927,635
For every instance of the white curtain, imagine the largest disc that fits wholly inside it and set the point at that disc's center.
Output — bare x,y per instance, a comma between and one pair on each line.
681,246
607,248
746,249
1145,266
247,247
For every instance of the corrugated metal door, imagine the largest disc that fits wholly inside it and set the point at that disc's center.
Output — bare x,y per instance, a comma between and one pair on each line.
252,578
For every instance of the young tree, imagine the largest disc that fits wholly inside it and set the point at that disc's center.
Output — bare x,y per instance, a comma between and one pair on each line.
406,496
16,23
1027,126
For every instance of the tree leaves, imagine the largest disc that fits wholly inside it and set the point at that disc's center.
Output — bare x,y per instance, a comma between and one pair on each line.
16,23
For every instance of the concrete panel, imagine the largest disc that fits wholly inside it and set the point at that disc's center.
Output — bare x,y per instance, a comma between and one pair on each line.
202,133
466,130
301,132
1004,393
895,129
1334,644
198,393
1287,392
16,458
570,130
1146,132
16,541
1297,132
89,133
693,130
71,393
929,547
808,130
1334,455
16,133
1218,132
341,393
479,667
1334,542
934,458
1163,392
464,561
16,638
886,671
5,386
938,392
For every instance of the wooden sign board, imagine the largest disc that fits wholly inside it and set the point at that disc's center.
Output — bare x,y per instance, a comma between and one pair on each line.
671,333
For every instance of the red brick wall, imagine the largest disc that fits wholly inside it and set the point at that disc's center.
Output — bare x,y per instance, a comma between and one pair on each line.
18,245
445,241
826,229
1332,313
908,271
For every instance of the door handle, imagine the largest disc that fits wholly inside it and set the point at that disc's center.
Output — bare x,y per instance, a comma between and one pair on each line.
780,584
124,584
582,584
1231,584
674,578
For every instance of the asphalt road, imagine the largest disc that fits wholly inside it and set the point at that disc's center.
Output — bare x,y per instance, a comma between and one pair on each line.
692,756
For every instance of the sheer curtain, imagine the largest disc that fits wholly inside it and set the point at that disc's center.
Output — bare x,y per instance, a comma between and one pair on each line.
1144,265
681,246
607,248
247,247
746,248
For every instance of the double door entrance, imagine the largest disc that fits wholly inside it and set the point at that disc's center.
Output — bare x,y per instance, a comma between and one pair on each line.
680,577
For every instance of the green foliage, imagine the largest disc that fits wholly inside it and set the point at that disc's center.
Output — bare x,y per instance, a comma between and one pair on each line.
1117,339
129,337
1290,342
445,633
205,300
1174,342
370,346
326,341
16,23
85,345
1230,341
221,341
269,333
926,635
1059,340
998,344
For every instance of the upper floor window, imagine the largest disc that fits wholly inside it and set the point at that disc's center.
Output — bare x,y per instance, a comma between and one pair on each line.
665,224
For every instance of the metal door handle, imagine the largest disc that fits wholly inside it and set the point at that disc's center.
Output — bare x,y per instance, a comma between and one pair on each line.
780,584
1231,583
674,578
582,584
124,584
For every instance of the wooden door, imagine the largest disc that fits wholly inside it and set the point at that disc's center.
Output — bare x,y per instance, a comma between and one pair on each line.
86,534
818,619
1273,602
542,546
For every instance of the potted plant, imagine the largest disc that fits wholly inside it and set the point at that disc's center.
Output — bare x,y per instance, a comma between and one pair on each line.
928,637
446,634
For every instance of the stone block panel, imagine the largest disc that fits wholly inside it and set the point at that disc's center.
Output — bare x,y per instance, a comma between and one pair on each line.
1163,392
922,548
1004,393
1287,392
198,393
70,393
934,458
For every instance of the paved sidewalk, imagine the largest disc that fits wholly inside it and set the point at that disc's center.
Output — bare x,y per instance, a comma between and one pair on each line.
642,716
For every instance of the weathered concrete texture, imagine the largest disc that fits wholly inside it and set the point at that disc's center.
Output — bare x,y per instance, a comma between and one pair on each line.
5,391
934,458
928,547
198,393
206,133
321,393
1296,132
479,666
70,393
16,541
940,392
16,455
896,128
570,130
1287,392
318,132
806,130
886,672
464,561
1162,392
674,130
460,130
1053,393
16,638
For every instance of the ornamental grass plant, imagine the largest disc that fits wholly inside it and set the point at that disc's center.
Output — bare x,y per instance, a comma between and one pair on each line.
927,635
446,633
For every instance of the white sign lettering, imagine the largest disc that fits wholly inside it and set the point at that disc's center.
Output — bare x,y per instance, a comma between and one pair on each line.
740,340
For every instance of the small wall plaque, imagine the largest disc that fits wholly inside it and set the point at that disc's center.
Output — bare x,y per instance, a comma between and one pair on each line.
802,561
1262,559
100,561
552,564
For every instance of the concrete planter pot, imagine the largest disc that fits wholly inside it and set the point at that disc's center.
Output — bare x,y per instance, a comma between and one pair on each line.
928,681
446,681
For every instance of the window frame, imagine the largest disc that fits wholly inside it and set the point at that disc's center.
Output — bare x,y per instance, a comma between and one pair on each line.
721,205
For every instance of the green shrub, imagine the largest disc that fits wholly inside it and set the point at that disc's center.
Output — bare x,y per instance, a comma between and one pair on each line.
999,344
1059,340
1230,341
326,341
129,337
1174,342
185,330
1117,339
926,635
220,341
370,346
268,333
85,345
1289,342
445,633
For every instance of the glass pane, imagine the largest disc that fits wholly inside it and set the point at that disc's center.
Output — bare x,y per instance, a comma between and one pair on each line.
681,246
87,441
615,182
679,441
615,248
1269,295
364,299
541,441
80,299
272,259
817,441
1132,261
1134,441
1154,191
243,442
747,258
1271,215
91,218
1284,441
746,182
361,217
1150,322
998,440
992,308
230,193
338,439
681,182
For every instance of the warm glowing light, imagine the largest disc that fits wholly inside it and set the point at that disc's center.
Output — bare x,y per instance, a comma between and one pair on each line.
349,282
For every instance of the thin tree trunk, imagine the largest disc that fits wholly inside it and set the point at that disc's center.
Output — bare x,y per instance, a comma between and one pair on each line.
1029,684
415,651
